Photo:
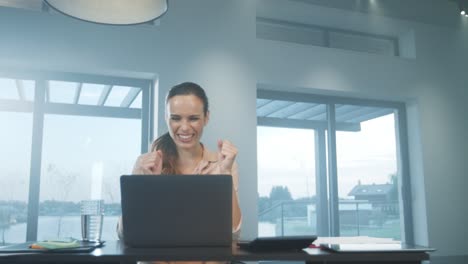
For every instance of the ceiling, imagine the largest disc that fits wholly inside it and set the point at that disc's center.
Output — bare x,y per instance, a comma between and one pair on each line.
435,12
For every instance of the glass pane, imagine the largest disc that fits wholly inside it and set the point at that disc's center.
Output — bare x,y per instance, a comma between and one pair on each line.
290,33
90,93
356,42
15,155
62,92
83,158
8,89
286,181
28,86
137,102
117,95
367,172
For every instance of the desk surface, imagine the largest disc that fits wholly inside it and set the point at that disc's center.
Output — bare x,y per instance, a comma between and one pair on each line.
115,251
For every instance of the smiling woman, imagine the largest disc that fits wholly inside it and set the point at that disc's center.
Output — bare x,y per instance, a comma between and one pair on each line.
186,115
180,151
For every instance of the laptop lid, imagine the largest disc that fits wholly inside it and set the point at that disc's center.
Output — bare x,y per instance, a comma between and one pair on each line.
176,210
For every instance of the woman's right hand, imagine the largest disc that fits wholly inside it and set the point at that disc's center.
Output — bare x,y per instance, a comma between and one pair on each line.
149,163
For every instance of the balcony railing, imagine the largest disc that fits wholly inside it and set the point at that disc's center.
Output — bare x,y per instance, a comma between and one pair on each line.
357,218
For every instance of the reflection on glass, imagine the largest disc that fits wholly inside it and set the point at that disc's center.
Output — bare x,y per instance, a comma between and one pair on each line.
367,175
8,89
137,102
15,153
117,95
62,92
83,158
90,93
28,89
286,181
17,89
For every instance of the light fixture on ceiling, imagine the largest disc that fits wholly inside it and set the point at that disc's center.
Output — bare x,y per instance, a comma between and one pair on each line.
463,5
111,12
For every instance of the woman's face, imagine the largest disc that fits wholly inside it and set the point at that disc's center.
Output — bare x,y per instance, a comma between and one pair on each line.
185,120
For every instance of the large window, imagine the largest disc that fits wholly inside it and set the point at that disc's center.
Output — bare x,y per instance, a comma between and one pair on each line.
67,138
331,166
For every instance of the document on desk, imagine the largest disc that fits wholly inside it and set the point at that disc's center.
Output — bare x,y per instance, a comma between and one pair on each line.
350,240
363,244
355,240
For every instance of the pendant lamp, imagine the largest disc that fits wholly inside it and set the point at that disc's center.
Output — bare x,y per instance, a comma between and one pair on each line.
111,12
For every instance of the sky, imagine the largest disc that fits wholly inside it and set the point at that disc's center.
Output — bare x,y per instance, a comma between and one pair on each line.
286,157
78,153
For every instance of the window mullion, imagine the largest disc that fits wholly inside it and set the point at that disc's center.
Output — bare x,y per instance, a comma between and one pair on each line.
404,176
321,202
36,159
146,118
332,173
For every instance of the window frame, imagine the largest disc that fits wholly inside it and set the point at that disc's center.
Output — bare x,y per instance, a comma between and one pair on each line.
40,107
326,173
270,29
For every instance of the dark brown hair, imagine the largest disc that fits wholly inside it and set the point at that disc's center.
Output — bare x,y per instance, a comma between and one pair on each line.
165,143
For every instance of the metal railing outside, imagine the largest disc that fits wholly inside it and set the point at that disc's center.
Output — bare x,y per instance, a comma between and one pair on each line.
357,217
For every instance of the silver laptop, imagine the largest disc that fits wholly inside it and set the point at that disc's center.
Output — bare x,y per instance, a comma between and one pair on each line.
176,210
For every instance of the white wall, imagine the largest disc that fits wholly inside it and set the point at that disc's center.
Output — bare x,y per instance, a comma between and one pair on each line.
213,43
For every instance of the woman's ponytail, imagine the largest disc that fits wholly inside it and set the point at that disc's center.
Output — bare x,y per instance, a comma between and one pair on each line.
166,144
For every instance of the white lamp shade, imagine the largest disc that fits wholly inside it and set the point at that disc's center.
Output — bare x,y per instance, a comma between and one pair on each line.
114,12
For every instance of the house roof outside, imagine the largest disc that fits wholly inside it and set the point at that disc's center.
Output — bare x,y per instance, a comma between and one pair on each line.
371,189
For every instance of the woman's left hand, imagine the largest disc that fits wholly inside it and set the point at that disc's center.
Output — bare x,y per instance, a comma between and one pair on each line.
227,153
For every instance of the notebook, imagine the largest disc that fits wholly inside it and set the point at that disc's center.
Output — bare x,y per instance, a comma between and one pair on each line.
277,243
176,210
80,247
